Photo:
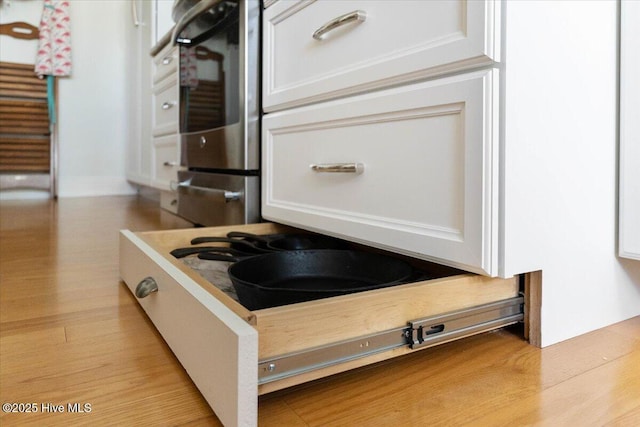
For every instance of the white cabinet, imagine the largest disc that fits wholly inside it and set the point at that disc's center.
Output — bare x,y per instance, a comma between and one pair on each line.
166,162
164,104
138,28
629,234
428,182
165,126
369,44
153,149
426,170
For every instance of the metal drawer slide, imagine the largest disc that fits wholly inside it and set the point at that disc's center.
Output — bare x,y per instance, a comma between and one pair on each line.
420,333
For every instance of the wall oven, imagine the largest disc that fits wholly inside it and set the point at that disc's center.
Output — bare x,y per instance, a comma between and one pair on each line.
219,110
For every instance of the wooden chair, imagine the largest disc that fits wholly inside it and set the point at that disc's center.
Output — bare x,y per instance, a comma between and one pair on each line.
27,151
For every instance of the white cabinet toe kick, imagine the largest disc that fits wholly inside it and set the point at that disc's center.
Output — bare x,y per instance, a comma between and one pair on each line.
420,333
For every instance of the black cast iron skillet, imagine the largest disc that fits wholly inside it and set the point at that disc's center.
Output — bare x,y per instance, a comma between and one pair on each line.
287,277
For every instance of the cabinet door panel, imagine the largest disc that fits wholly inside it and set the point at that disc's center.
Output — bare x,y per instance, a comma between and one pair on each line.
429,184
397,41
165,107
166,161
165,64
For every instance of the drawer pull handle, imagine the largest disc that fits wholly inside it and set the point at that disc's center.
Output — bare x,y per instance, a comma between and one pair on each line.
187,189
167,60
357,168
170,164
167,105
146,286
355,16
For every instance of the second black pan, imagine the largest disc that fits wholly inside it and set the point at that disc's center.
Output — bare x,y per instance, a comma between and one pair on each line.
289,277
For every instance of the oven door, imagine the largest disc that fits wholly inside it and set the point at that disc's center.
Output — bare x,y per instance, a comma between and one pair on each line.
211,198
219,72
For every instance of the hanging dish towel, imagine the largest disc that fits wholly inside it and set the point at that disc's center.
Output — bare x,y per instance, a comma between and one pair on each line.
54,43
54,47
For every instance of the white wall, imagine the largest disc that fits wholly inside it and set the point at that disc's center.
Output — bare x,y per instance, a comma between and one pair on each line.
15,50
92,121
92,114
560,142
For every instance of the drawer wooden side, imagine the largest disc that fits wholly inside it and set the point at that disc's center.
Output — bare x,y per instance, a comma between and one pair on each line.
218,349
311,324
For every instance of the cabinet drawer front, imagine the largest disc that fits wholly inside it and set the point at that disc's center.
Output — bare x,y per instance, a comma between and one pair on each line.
398,41
165,108
167,160
169,201
165,63
429,183
218,350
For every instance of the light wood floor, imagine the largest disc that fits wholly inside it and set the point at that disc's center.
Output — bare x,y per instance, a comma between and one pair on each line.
72,333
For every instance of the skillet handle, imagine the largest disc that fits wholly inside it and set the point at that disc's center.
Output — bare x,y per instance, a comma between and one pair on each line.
212,256
206,239
248,236
183,252
248,245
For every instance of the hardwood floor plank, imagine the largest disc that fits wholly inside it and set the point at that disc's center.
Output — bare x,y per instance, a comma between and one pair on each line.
445,386
630,419
276,412
629,328
29,341
593,398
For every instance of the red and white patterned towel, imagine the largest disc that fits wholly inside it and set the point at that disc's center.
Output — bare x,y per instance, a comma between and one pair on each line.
188,67
54,45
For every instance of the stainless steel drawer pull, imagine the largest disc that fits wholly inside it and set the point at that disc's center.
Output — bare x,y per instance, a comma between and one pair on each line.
356,168
167,105
232,196
186,188
146,286
167,60
355,16
170,164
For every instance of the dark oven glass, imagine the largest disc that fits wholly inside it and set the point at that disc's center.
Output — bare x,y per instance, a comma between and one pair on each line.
209,71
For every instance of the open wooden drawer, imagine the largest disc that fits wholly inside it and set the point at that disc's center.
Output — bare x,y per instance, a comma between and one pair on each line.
233,354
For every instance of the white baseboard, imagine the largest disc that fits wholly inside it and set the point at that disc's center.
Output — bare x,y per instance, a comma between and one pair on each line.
20,194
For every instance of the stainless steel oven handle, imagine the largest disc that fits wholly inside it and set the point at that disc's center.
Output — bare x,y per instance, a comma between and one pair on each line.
356,168
193,13
355,16
194,190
